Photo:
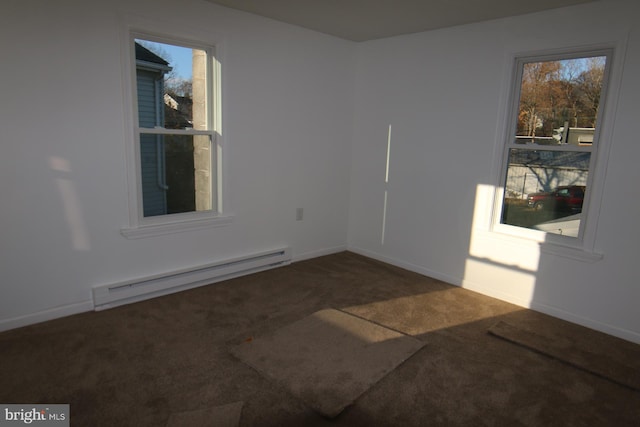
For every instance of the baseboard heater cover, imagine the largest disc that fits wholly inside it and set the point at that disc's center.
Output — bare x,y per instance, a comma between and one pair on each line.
120,293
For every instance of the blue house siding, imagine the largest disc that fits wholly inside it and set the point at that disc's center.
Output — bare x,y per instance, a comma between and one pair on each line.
150,114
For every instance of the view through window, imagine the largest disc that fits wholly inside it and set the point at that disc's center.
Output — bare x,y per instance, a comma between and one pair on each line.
549,158
174,128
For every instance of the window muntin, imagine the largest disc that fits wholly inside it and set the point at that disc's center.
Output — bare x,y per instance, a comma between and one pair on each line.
556,112
174,132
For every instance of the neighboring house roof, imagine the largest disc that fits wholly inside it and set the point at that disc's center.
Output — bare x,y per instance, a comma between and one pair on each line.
149,59
144,54
177,111
175,119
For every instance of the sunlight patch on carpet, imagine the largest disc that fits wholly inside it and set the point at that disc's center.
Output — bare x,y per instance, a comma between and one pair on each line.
431,311
329,358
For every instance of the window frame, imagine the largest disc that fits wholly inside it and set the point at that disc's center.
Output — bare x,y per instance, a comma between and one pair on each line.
581,247
140,226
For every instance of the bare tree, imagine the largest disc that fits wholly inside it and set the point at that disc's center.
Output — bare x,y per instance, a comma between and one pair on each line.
179,87
589,86
555,92
536,95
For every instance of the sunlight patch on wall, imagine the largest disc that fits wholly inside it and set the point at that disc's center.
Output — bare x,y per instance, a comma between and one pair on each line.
502,281
384,217
499,265
386,190
71,203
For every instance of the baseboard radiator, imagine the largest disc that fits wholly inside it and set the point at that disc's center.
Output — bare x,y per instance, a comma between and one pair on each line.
115,294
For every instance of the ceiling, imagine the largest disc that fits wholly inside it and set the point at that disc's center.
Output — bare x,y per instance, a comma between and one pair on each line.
361,20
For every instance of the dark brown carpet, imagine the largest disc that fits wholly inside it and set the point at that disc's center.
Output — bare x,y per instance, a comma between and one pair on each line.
137,365
218,416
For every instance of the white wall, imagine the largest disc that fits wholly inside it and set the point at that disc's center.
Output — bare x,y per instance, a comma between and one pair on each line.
444,94
287,120
294,101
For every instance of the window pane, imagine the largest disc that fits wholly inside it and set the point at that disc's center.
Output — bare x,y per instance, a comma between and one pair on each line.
559,101
176,171
171,85
544,190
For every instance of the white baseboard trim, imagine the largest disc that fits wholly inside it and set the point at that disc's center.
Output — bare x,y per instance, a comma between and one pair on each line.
407,266
589,323
484,290
45,315
315,254
554,312
502,296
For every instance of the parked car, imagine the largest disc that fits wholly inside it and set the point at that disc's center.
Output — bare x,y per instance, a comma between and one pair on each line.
563,198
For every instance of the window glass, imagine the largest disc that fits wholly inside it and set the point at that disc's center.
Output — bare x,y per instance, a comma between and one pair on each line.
549,159
174,129
559,101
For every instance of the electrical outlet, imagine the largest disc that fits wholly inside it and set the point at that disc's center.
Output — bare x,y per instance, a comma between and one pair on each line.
299,214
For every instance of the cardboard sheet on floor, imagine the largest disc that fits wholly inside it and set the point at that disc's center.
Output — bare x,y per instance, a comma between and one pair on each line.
596,358
329,358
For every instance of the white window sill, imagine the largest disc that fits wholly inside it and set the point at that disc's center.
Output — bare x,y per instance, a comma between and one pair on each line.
578,253
151,230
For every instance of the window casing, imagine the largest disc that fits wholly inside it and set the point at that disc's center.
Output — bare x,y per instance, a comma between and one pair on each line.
551,146
175,155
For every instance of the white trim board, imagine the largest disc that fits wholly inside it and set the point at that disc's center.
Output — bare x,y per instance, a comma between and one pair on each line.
45,315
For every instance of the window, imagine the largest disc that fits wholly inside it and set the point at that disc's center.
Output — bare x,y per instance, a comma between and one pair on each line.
175,121
174,131
552,144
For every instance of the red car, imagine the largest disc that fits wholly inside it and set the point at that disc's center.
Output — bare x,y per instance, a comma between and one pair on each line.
563,198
